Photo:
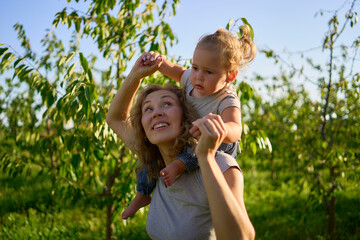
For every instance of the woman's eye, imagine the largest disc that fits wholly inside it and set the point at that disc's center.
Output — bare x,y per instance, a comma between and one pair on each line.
148,109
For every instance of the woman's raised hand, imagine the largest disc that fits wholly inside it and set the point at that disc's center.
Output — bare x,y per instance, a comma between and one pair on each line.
142,68
212,133
149,58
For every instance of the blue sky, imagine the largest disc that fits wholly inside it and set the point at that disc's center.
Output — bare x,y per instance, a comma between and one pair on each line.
279,24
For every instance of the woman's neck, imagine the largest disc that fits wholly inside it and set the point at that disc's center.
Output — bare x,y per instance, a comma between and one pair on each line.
167,154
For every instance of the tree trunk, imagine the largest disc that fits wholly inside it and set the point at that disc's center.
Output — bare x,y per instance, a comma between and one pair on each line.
109,212
332,207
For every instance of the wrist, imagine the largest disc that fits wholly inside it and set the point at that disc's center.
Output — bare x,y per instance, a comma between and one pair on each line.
133,77
206,155
164,65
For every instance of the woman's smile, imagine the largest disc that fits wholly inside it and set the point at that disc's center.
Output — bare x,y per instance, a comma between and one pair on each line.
160,125
162,117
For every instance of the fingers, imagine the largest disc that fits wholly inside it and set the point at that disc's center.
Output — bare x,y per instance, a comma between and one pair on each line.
212,133
211,125
195,132
150,58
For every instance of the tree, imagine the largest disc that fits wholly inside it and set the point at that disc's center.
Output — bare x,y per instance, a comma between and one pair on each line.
53,111
53,106
316,139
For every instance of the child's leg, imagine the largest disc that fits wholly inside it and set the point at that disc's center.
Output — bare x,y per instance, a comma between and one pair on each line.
144,188
140,200
185,161
172,171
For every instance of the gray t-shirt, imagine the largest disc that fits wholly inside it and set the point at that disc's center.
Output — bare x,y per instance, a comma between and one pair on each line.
215,103
182,211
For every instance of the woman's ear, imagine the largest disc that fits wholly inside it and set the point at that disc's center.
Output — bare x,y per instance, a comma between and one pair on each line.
231,76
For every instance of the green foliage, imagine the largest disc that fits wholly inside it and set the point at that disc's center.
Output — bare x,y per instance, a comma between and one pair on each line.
54,137
315,140
232,24
53,113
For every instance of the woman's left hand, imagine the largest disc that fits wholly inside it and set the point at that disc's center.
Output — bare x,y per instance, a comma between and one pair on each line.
212,131
140,70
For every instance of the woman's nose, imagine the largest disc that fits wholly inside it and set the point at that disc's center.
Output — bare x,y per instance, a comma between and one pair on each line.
157,113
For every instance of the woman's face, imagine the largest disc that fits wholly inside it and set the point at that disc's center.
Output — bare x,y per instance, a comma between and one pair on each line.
162,117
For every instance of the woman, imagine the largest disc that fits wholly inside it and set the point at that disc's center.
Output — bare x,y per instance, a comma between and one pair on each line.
200,204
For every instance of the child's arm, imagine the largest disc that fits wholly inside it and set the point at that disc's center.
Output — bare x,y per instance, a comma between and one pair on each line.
169,69
172,70
232,119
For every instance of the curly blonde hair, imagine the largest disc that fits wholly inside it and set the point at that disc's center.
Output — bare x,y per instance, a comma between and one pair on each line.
148,153
234,52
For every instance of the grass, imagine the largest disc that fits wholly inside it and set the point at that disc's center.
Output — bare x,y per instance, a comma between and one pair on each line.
283,211
28,211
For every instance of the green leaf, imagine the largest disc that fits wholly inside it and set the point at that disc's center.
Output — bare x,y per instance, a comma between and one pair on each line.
253,147
231,22
99,116
69,71
18,61
98,154
89,73
63,169
3,50
50,99
70,143
6,60
18,70
77,25
75,160
87,95
84,62
68,57
244,20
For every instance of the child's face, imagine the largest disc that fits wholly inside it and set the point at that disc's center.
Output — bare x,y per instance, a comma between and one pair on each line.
208,75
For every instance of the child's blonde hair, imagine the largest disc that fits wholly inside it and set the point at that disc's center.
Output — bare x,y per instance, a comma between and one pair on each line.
234,52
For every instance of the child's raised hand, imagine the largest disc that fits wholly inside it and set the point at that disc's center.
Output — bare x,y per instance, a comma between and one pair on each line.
149,58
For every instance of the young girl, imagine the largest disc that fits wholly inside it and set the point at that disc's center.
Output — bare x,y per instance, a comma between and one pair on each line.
215,64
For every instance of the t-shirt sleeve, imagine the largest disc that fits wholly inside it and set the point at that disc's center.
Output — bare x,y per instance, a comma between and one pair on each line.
184,77
225,161
229,101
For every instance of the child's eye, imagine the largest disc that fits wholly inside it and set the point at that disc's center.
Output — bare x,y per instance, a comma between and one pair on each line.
167,104
194,68
209,72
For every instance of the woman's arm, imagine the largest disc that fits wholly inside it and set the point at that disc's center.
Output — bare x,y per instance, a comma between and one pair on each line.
119,110
224,191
